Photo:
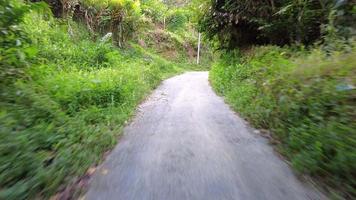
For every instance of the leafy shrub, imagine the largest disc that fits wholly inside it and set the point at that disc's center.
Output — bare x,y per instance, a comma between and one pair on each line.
307,101
176,19
14,44
244,23
65,95
68,108
156,10
120,17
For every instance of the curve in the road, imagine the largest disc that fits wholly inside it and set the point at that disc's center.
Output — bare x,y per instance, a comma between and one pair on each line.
186,144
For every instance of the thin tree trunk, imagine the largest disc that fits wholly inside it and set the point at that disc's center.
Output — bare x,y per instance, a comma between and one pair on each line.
272,5
198,55
87,20
120,35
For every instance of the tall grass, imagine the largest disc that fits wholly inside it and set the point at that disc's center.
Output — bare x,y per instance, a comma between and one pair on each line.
307,99
69,106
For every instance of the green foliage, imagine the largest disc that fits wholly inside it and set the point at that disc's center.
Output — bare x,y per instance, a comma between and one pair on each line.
176,19
156,10
196,9
244,23
306,99
119,17
68,106
65,94
14,44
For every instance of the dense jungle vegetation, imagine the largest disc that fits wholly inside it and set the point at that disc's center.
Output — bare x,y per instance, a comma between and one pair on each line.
72,73
290,67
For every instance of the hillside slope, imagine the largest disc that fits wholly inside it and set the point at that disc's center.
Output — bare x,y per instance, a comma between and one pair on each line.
66,93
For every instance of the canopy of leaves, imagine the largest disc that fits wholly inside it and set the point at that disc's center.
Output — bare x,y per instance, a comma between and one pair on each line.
156,10
247,22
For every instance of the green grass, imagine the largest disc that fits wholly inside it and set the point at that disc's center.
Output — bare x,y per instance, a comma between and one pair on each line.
307,101
179,46
70,105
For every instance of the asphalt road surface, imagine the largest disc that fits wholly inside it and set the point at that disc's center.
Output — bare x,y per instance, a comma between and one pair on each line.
185,143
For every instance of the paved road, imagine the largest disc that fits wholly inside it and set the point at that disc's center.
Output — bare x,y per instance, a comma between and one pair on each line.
186,144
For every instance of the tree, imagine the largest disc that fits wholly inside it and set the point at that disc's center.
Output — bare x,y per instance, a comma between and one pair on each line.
246,22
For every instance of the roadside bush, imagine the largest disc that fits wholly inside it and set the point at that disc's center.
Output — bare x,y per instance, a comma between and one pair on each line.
14,44
306,99
68,108
65,93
